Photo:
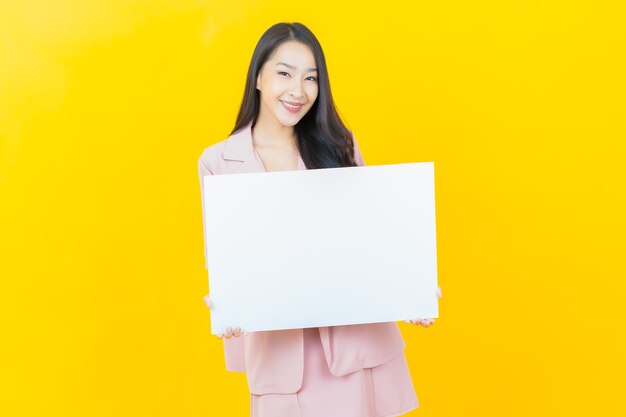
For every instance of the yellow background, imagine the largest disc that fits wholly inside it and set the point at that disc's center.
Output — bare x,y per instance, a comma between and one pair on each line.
105,107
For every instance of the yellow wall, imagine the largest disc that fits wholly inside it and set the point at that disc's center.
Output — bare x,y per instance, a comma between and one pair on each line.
105,107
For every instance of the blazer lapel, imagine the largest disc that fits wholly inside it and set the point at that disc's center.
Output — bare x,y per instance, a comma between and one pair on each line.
239,147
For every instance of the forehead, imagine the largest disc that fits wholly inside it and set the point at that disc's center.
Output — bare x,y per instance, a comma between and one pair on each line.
293,53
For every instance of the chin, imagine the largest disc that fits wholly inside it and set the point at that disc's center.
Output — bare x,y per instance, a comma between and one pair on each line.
290,122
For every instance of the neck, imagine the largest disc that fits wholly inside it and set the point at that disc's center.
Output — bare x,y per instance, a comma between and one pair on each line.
273,134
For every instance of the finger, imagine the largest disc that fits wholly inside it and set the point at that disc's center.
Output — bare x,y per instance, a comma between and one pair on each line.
207,301
219,336
229,333
237,332
438,292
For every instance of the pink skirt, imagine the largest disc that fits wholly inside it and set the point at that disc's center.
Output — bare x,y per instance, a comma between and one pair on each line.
383,391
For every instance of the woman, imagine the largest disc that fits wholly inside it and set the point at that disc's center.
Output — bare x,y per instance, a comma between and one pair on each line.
288,121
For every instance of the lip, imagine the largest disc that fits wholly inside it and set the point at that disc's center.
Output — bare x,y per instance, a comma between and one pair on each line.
292,110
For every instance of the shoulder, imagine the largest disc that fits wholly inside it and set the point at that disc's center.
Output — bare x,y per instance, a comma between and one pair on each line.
358,156
213,152
218,158
212,157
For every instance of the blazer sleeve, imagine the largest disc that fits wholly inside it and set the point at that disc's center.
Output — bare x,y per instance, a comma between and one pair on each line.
233,347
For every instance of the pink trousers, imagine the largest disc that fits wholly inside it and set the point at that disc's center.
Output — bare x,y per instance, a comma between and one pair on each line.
383,391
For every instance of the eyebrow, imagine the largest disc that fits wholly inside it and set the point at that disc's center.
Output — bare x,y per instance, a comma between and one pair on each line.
292,67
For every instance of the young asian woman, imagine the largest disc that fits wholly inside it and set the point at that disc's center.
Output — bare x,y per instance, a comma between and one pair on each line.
288,121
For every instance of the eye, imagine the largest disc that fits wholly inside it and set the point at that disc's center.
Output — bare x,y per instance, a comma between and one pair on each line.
283,72
312,78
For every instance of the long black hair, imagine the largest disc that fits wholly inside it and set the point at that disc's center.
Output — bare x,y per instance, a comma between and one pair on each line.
323,140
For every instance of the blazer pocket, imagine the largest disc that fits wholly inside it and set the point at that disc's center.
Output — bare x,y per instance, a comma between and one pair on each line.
354,347
274,361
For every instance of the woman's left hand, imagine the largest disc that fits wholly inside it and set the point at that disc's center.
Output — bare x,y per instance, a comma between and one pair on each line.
424,322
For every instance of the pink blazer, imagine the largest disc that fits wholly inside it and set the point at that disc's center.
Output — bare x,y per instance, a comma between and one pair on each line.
273,360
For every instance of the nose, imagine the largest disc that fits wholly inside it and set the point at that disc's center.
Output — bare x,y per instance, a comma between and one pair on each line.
296,88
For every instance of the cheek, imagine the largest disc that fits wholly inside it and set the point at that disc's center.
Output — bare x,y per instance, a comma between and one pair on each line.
312,92
273,86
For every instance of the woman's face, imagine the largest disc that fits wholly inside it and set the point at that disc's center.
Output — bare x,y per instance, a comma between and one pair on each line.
287,83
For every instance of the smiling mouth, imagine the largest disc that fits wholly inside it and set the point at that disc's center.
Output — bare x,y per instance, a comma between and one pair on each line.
295,107
292,104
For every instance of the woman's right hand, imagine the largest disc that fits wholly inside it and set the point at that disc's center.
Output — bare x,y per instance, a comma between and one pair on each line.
230,332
